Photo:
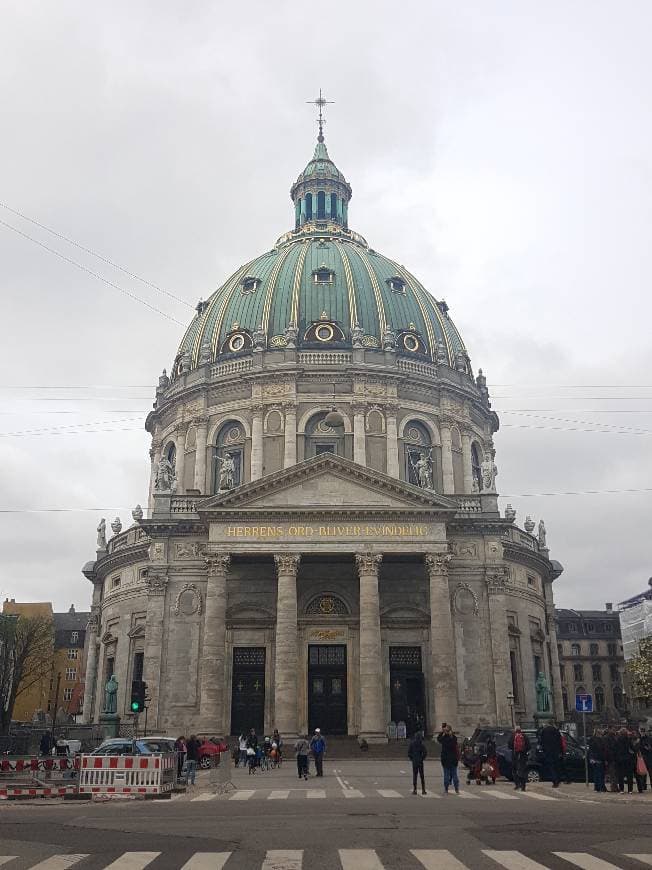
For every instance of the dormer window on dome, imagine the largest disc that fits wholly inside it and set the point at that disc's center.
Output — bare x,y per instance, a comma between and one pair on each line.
323,275
396,284
249,285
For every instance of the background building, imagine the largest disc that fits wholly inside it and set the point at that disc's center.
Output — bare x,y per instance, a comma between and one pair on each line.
591,660
635,616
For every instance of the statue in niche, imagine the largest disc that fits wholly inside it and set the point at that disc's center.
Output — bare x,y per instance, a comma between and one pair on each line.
542,535
166,478
489,473
423,469
101,535
543,694
227,472
111,695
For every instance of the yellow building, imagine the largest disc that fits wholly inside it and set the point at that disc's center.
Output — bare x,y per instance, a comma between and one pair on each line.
36,696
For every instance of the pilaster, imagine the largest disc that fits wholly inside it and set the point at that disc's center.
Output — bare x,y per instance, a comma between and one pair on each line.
256,442
496,578
201,431
290,435
359,434
391,426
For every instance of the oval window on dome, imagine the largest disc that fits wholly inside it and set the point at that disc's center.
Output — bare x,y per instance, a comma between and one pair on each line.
324,332
411,343
236,342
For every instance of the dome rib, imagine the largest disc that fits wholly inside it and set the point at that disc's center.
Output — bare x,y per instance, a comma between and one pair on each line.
296,284
350,288
269,297
380,304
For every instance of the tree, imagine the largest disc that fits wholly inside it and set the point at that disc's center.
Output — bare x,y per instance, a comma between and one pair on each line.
640,672
26,648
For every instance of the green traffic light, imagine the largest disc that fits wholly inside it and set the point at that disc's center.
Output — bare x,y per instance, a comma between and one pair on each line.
135,706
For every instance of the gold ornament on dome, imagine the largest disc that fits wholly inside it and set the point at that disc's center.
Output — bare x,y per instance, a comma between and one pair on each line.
370,341
278,341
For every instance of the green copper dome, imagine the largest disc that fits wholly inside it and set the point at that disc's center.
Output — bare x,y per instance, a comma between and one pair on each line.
321,287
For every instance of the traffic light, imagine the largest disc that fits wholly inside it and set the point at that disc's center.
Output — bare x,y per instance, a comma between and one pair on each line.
138,691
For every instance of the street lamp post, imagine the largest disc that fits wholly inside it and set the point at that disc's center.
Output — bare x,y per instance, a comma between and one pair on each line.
510,701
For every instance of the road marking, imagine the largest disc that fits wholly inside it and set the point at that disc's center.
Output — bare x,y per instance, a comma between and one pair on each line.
279,795
437,859
204,796
59,862
283,859
132,861
430,794
207,861
341,782
389,793
512,860
503,795
316,793
352,793
243,795
359,859
538,797
585,861
644,859
467,794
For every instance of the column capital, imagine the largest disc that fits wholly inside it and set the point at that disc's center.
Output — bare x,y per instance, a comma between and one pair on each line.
289,407
257,408
217,563
287,563
182,427
391,408
359,407
437,563
200,421
156,584
93,625
368,563
496,580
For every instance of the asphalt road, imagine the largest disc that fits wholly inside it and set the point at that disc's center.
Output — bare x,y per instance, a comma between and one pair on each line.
360,816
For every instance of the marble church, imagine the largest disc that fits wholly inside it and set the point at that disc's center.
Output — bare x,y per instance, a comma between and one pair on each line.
322,545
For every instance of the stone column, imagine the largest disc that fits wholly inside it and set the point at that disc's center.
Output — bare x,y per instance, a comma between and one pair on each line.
201,429
180,465
156,585
496,581
285,659
359,435
212,692
442,641
392,441
447,460
466,463
372,724
154,456
290,446
555,676
256,442
90,680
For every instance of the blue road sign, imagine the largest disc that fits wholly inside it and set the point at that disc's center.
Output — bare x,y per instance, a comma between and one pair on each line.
584,702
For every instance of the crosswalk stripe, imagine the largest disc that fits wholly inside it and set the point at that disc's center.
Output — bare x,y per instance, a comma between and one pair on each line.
352,793
316,793
207,861
204,796
283,859
132,861
278,795
59,862
538,797
644,859
430,794
585,861
359,859
502,795
467,794
437,859
389,793
513,860
242,795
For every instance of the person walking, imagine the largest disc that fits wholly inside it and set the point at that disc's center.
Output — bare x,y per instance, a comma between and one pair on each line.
597,749
192,758
318,747
640,770
610,752
417,754
252,750
180,749
625,761
276,738
450,757
302,748
242,750
520,747
553,751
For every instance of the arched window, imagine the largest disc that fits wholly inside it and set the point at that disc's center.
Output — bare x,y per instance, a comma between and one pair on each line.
476,468
334,205
171,453
421,462
575,649
578,671
228,457
322,438
599,699
597,673
618,697
309,206
564,697
321,205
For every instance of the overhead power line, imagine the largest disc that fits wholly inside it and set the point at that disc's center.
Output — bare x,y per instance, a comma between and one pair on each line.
88,271
94,254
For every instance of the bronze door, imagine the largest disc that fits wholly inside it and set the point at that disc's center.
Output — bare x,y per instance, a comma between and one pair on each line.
248,690
407,689
327,698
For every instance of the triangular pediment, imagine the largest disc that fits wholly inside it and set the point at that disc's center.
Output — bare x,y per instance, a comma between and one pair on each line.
328,482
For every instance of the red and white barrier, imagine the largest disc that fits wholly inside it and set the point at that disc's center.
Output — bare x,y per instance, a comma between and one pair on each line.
38,777
127,774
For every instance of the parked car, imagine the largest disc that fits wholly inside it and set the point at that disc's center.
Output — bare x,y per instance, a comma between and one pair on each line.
574,765
209,752
138,746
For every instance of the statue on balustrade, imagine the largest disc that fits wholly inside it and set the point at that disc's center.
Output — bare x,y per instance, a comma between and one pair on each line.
423,469
227,472
111,695
166,478
489,472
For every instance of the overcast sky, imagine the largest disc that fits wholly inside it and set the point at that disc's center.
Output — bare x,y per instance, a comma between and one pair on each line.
502,151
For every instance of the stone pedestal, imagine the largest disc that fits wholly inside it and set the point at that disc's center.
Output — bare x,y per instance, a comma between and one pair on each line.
110,725
372,724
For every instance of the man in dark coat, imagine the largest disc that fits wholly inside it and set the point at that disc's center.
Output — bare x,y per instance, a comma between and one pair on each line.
598,760
553,752
520,746
625,760
449,757
417,753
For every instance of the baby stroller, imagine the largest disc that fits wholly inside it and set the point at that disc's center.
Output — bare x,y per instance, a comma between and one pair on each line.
485,771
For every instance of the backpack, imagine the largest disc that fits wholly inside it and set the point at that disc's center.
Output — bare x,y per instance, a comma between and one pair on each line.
519,741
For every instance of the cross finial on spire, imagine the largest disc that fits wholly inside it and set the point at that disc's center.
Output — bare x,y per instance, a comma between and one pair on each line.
320,102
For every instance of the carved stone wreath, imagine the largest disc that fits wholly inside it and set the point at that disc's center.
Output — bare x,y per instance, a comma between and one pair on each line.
465,601
327,605
188,601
